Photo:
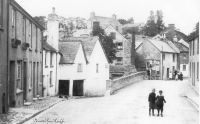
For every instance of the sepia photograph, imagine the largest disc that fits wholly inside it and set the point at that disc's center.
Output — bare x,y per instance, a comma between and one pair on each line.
99,61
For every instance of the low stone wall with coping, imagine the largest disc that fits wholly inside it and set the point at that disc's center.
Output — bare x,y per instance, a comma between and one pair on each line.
125,81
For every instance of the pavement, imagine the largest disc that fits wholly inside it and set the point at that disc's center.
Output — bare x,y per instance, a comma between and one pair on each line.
128,106
191,94
24,113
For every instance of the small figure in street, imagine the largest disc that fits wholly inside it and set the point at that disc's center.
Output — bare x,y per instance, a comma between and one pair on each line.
152,99
176,75
170,75
148,74
160,100
181,76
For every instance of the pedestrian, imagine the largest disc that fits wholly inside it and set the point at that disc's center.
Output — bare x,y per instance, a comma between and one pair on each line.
160,100
170,75
152,99
148,74
181,76
176,76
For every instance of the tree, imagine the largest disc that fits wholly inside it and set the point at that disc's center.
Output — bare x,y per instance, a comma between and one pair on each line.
154,24
123,21
195,33
107,43
40,20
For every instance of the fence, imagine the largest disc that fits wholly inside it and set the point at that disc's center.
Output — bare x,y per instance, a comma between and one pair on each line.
124,81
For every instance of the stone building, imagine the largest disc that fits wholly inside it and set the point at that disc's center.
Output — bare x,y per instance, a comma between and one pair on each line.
103,21
25,56
194,62
3,56
50,69
159,56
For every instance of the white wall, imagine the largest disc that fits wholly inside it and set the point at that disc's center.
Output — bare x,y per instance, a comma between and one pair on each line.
96,82
69,71
50,90
186,72
168,63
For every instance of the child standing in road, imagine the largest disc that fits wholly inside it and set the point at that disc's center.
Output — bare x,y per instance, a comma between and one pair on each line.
160,100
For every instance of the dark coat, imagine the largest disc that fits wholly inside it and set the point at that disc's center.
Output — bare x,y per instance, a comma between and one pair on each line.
160,100
152,98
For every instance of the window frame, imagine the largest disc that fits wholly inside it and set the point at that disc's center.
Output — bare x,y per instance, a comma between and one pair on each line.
184,67
80,67
97,68
1,13
174,57
51,78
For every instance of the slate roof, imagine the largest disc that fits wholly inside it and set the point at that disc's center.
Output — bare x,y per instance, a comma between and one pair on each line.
88,44
48,47
181,47
162,46
69,50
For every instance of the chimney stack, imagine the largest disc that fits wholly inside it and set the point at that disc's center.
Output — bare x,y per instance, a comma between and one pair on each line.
92,14
53,10
114,16
171,26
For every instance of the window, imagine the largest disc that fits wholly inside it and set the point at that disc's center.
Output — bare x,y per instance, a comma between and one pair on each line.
31,75
190,69
13,17
30,34
197,70
119,61
1,13
45,58
96,24
24,26
97,68
197,45
173,68
36,44
184,67
163,56
19,72
113,35
80,68
174,57
193,46
190,48
51,58
119,46
51,75
117,28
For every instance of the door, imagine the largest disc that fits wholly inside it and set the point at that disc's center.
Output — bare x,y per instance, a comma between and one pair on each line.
167,73
78,88
63,87
12,101
34,78
25,81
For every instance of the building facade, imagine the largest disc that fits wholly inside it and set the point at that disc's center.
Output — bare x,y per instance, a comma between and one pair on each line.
159,56
194,62
50,69
86,61
4,56
25,56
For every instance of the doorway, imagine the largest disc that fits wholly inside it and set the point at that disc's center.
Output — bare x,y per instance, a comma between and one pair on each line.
25,81
63,87
12,101
78,88
167,73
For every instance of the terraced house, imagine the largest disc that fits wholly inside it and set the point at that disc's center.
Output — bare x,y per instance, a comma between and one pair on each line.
4,57
25,56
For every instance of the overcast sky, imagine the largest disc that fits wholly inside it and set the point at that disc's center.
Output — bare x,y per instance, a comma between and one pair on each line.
183,13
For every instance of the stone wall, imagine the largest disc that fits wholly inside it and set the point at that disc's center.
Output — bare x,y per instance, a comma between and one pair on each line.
125,81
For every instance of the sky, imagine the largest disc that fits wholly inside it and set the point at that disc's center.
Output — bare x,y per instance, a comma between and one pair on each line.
183,13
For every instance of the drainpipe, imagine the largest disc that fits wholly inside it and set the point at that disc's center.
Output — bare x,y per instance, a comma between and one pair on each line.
8,72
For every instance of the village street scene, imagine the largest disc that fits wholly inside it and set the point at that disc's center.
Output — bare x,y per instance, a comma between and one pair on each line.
99,62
